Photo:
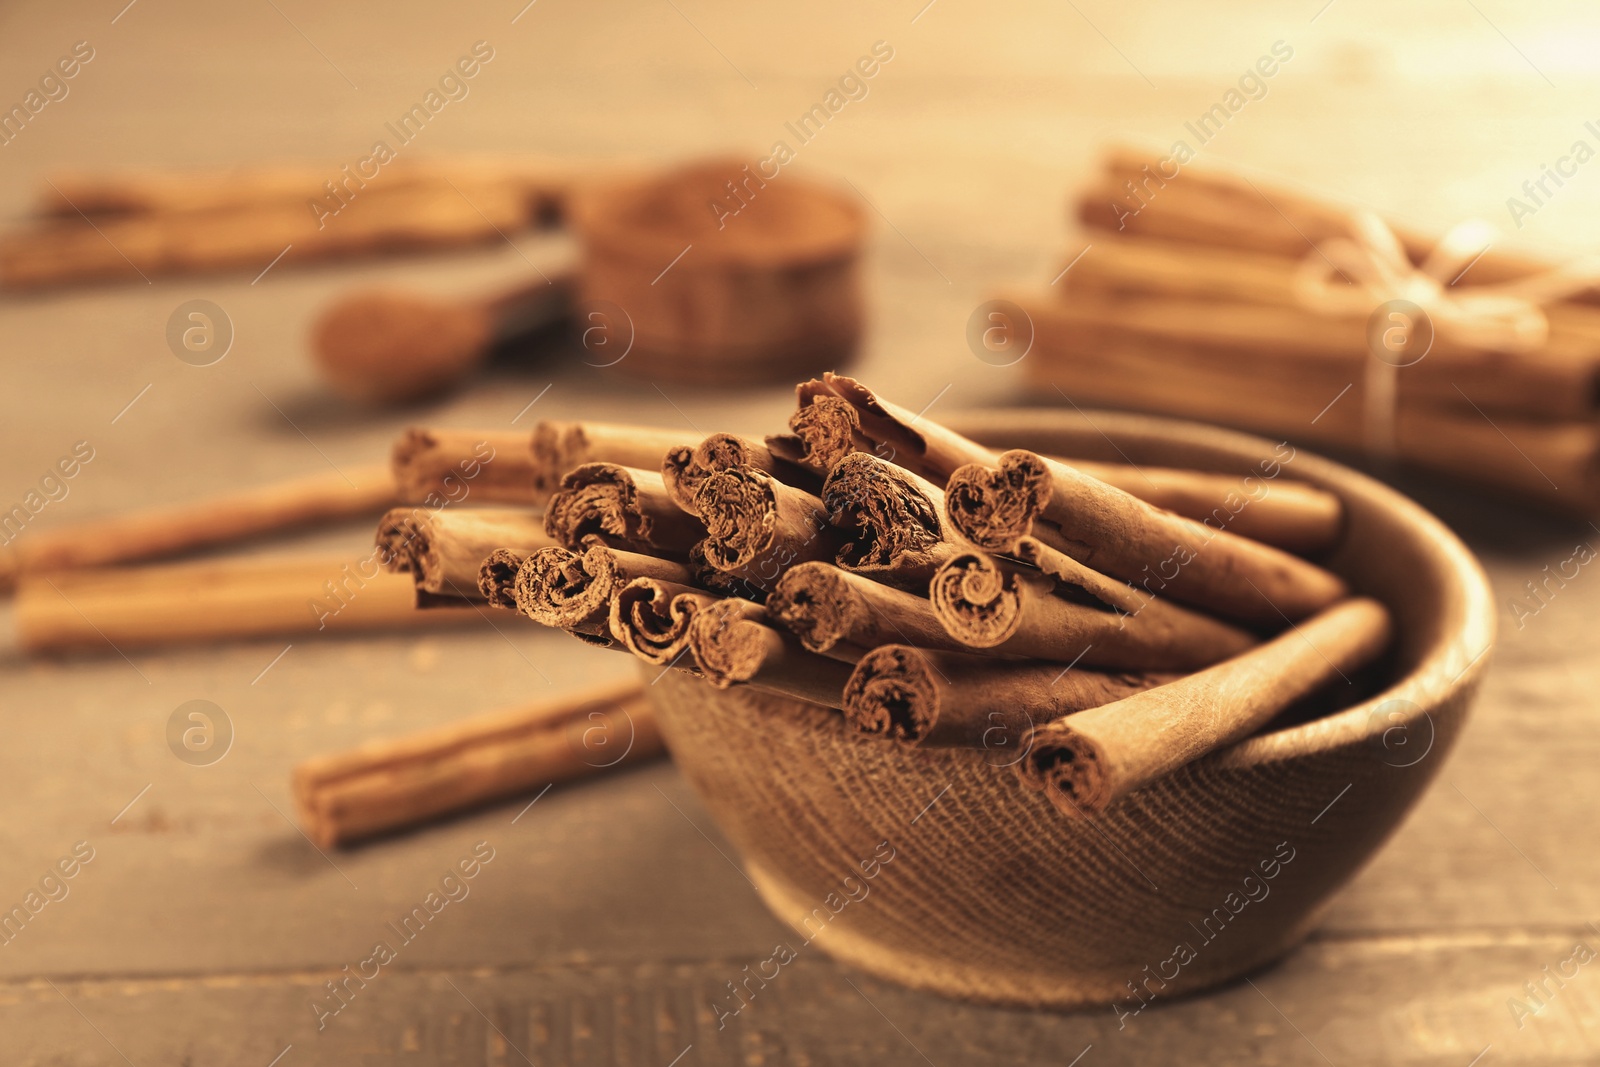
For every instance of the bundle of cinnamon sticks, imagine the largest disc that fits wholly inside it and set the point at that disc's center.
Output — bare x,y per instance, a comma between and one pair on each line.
1213,294
1097,625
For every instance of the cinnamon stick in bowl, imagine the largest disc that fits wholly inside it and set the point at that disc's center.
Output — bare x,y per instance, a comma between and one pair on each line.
651,618
572,591
625,507
1086,762
756,525
898,518
1120,535
733,644
921,697
988,603
444,550
826,606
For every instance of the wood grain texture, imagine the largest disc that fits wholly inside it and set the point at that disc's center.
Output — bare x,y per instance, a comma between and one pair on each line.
967,146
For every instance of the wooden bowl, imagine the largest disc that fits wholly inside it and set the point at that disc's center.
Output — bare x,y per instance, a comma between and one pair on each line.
991,895
725,276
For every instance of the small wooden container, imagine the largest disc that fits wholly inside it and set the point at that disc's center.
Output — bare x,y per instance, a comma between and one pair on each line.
992,895
724,275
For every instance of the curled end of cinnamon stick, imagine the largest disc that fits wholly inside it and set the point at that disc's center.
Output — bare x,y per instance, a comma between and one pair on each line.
1067,767
815,603
892,513
680,476
827,428
740,510
396,540
651,618
978,603
995,507
497,577
561,588
595,499
892,694
729,641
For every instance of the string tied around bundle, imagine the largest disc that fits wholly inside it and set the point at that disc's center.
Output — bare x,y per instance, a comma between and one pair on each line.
1368,273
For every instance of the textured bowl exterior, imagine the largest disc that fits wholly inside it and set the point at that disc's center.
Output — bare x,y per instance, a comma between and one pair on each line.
991,895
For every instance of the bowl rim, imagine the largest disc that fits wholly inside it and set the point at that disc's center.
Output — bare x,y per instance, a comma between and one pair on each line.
1453,663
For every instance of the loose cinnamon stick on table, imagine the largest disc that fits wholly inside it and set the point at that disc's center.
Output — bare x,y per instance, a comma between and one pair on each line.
685,468
1086,762
572,591
987,603
558,447
898,518
435,467
139,246
950,699
397,783
1122,536
357,492
215,601
444,549
826,606
651,618
624,507
733,644
756,525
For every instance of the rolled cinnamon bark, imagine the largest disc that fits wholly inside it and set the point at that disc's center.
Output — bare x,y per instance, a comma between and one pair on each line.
651,618
624,507
558,447
839,415
1086,762
733,644
437,467
686,468
1120,535
444,549
213,602
165,531
986,603
572,591
756,525
497,577
400,782
901,536
825,606
949,699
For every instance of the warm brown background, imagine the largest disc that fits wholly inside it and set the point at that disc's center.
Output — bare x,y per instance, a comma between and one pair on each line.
205,923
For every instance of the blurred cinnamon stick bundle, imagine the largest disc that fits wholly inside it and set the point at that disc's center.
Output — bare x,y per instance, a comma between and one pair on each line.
1210,294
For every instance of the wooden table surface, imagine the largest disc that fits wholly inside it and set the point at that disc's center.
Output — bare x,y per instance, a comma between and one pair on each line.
205,924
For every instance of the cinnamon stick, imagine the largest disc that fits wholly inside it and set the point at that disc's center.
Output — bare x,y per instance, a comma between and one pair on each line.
572,591
756,525
825,606
1122,536
156,532
986,603
1086,762
898,520
685,468
949,699
624,507
397,783
1556,463
497,577
139,246
651,618
559,446
839,415
445,549
437,467
216,601
733,644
